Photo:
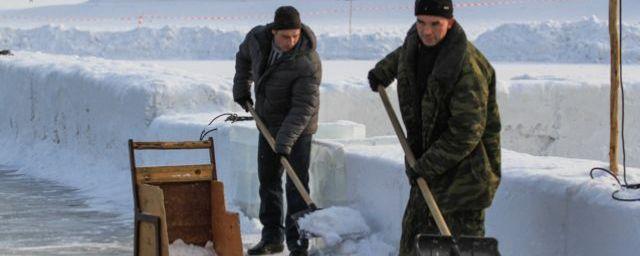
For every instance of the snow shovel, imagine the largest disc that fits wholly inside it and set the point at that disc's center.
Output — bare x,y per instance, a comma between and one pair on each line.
287,166
444,244
305,195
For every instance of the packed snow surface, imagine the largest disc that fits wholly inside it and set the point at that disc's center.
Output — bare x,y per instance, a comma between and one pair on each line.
180,248
334,223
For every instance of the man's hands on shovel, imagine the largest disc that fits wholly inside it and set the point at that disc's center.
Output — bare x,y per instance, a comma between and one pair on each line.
374,81
243,102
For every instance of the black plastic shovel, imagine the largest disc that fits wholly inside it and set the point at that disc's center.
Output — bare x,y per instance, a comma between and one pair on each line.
444,244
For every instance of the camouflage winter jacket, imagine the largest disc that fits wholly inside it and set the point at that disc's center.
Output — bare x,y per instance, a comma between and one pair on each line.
459,124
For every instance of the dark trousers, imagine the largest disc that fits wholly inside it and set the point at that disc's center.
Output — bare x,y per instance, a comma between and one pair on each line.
270,173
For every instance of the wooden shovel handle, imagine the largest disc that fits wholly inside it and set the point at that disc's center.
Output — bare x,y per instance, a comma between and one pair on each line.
411,159
283,160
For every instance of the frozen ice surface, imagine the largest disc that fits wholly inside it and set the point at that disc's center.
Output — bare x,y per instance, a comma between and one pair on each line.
41,217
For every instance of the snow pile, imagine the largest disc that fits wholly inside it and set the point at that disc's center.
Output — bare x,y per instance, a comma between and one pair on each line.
585,41
196,43
334,223
179,248
140,43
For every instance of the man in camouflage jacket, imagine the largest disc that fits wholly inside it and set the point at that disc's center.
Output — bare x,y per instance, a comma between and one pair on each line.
446,90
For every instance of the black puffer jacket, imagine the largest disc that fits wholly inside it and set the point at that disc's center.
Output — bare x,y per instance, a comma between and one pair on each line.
287,92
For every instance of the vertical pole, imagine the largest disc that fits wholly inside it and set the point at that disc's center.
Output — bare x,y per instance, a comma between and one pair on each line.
614,37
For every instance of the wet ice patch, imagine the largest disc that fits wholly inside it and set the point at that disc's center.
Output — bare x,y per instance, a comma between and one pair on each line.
334,223
179,248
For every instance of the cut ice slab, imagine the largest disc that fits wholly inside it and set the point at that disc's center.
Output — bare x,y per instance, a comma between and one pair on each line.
334,224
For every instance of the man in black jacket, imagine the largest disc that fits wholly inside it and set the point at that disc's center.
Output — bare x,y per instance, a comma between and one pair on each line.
280,58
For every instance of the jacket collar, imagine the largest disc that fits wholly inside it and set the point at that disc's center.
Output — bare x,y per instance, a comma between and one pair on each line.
450,58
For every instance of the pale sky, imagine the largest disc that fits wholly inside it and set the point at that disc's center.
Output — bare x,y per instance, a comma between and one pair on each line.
21,4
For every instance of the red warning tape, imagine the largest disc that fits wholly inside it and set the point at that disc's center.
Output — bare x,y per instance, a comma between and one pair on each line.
261,16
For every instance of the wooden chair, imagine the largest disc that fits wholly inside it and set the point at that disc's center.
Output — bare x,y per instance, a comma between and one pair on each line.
181,202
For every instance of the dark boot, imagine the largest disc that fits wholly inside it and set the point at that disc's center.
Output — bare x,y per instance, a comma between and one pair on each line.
263,248
298,252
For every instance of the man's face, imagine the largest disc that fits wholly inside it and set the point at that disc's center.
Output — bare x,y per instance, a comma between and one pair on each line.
286,39
432,29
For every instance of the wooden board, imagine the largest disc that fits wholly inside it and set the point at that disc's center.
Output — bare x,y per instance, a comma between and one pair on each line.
172,145
188,210
226,226
183,173
151,202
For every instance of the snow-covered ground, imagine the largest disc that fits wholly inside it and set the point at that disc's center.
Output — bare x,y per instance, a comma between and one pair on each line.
61,111
67,118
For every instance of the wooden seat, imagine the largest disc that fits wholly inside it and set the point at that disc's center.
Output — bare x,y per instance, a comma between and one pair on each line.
181,202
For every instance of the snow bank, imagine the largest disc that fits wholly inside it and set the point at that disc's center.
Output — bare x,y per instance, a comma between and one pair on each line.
68,112
557,115
585,41
68,119
179,43
563,211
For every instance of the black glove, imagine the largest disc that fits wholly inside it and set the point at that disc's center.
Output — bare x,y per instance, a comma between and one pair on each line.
282,150
286,156
6,52
374,82
412,176
243,101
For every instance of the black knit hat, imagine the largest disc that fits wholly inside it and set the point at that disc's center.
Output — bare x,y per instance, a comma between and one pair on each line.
442,8
287,17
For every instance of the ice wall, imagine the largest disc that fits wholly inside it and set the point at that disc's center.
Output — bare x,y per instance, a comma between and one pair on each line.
555,116
68,118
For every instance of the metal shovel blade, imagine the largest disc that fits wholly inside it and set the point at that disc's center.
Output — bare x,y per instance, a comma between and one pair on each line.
434,245
296,216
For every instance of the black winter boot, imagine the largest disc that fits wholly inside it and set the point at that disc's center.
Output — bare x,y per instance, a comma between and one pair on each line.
262,248
298,252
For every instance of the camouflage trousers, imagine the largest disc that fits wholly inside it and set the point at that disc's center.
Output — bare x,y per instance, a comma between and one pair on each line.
418,220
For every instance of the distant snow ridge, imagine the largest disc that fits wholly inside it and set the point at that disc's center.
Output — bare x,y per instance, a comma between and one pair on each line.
585,41
140,43
178,43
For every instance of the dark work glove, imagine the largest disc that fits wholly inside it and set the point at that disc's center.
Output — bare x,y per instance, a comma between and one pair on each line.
374,82
412,176
5,52
282,150
242,102
286,156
